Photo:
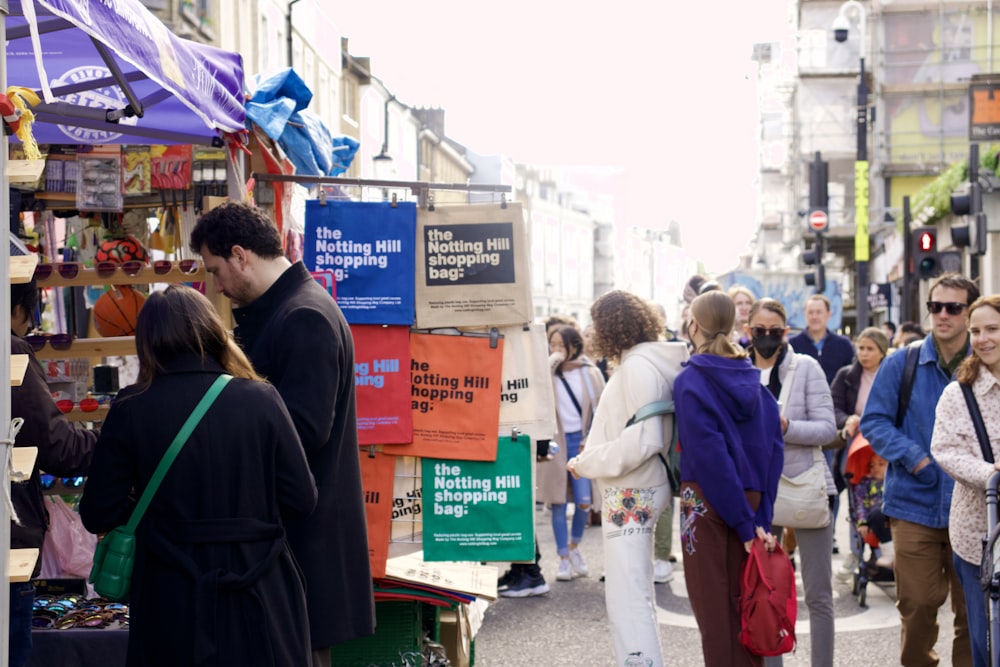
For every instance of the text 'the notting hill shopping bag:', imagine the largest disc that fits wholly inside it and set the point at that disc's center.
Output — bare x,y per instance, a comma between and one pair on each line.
481,510
455,397
377,471
472,266
382,384
369,248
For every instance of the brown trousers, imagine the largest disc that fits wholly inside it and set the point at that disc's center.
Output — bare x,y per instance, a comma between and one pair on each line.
713,566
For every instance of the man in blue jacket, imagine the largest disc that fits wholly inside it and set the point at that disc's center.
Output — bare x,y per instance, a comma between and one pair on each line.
917,493
830,349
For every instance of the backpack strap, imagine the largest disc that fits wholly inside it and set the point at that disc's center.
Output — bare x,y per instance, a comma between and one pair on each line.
906,385
657,409
977,422
654,409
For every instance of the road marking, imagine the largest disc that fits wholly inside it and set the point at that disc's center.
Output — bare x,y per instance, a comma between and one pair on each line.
880,614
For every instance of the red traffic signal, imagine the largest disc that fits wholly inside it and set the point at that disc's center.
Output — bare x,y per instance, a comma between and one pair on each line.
926,262
926,240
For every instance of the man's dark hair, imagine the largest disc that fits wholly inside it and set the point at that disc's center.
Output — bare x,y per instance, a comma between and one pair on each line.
236,223
24,295
891,326
955,281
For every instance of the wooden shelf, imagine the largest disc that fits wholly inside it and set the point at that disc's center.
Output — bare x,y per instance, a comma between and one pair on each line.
117,346
88,277
23,460
20,564
22,267
98,415
25,171
18,367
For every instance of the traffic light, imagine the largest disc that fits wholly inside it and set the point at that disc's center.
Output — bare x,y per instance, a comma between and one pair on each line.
814,257
926,259
818,183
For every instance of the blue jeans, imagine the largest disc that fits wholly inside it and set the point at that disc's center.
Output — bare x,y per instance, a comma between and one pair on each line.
581,496
22,597
975,605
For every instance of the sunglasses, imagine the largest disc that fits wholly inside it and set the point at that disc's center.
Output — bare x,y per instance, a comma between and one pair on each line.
952,307
62,341
108,269
48,481
762,332
66,270
86,405
163,266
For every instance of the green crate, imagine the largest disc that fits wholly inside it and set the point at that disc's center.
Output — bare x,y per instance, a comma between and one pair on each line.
398,637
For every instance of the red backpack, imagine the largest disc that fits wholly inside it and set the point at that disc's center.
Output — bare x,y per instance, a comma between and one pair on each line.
767,601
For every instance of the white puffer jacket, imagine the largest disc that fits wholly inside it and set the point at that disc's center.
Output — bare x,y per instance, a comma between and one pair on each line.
627,457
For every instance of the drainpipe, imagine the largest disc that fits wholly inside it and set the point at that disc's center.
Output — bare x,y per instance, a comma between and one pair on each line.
288,30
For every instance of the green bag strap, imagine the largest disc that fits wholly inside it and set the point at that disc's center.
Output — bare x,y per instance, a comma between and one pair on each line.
175,447
652,410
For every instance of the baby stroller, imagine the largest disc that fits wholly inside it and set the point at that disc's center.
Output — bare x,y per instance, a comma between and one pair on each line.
989,577
856,467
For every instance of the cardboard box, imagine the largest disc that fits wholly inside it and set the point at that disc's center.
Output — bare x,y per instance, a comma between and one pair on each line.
456,635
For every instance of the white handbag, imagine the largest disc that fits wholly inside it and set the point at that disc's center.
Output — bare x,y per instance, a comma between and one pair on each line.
802,500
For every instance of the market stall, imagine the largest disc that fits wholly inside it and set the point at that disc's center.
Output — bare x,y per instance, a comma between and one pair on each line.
96,73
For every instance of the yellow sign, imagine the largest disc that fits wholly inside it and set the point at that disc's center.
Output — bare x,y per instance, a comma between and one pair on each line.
861,242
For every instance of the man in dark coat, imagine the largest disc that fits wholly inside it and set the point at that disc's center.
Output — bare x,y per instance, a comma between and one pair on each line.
832,350
64,450
297,338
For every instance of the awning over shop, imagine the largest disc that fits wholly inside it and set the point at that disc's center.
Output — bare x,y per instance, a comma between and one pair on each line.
111,72
278,106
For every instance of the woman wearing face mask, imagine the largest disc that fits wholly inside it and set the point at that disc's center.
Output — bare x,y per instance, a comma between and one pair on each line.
808,423
850,390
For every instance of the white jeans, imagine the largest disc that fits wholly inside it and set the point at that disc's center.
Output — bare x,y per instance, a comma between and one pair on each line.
629,522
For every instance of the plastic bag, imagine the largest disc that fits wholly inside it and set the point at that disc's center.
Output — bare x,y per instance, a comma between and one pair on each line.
68,547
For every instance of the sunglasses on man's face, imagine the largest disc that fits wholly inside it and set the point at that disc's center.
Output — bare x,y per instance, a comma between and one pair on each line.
762,332
951,307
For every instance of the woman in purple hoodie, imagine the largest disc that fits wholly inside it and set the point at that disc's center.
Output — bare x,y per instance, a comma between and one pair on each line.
732,452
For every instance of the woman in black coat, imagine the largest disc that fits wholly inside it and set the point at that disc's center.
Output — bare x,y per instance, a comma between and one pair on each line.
215,582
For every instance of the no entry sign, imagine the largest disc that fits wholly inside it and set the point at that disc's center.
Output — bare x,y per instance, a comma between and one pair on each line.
818,221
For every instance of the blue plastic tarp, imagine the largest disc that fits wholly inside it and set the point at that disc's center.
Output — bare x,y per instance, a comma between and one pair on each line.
278,107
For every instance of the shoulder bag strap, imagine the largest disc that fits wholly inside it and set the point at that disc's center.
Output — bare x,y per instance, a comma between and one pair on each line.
651,410
175,447
906,385
576,403
786,386
977,422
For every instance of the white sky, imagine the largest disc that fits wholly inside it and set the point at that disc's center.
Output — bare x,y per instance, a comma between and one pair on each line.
664,90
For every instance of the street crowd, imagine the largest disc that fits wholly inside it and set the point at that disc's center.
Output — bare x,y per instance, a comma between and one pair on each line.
890,417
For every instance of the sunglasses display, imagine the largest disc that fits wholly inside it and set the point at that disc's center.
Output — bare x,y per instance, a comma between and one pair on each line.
75,611
762,332
62,341
48,481
108,269
86,405
952,307
163,266
67,270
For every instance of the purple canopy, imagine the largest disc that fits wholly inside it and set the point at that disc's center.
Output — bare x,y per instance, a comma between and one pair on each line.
117,75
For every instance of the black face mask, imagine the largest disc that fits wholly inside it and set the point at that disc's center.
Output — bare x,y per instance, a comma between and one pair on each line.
766,346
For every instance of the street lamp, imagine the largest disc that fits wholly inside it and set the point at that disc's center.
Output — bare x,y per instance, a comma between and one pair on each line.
841,27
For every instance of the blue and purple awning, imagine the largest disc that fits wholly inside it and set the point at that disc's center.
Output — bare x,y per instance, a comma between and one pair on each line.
116,74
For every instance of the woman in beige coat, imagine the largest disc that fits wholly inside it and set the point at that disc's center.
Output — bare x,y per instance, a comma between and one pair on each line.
577,384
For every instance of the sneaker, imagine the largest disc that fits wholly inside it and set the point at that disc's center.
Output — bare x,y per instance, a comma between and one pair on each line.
565,570
506,580
663,571
577,563
848,568
887,557
527,586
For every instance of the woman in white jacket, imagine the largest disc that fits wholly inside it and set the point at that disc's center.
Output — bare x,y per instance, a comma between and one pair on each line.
631,478
807,421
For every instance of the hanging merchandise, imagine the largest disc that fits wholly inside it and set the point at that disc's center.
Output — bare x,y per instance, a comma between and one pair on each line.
99,180
377,473
526,399
369,247
454,396
382,384
472,266
481,510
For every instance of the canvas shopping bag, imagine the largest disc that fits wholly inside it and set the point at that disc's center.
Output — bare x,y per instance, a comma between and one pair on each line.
472,266
382,384
377,470
454,396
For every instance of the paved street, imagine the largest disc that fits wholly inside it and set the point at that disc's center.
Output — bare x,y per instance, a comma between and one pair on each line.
568,626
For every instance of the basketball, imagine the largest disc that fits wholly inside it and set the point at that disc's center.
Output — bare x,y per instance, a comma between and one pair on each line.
122,250
117,310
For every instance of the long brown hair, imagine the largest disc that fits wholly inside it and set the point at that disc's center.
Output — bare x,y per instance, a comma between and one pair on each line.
715,313
180,320
969,370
